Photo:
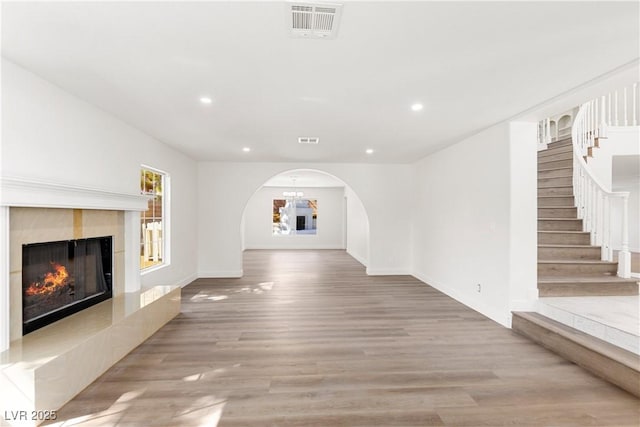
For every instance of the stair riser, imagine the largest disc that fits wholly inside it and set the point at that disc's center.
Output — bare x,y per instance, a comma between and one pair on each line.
554,173
555,191
558,225
562,180
557,212
586,289
555,164
556,201
555,156
567,254
564,239
558,144
555,150
562,270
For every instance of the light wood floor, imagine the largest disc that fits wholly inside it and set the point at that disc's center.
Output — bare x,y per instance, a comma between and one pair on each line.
307,339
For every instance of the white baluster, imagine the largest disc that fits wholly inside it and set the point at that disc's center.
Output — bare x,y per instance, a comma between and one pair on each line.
624,105
596,121
609,110
635,91
548,138
615,108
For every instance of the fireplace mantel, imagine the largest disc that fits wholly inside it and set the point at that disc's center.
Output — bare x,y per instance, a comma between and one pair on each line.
21,192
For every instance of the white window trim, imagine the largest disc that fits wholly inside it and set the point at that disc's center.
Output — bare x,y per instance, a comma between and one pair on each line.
166,221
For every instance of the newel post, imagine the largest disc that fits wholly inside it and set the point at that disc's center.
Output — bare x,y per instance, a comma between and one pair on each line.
624,257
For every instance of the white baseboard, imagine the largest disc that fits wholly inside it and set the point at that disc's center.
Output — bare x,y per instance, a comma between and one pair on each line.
293,246
190,278
503,318
220,274
358,258
387,272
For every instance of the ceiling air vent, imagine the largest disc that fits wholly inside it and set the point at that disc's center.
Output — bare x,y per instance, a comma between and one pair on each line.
314,21
308,140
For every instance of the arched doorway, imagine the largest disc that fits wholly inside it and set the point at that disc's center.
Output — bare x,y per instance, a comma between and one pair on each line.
306,209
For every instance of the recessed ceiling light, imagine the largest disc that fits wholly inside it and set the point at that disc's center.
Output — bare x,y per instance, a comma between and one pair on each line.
206,100
417,107
369,151
246,149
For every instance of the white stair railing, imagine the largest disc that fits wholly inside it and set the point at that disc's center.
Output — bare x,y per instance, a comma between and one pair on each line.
593,200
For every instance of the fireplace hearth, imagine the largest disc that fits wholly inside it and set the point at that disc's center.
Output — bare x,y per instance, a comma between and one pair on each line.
61,278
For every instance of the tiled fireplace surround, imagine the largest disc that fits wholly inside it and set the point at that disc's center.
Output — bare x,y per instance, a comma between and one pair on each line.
46,368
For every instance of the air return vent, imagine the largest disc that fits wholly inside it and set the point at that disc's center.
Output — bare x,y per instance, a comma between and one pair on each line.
319,21
308,140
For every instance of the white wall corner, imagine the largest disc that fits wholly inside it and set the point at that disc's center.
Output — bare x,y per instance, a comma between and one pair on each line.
4,279
387,272
357,257
187,280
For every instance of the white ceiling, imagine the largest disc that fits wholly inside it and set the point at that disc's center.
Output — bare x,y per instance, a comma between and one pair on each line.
304,178
471,64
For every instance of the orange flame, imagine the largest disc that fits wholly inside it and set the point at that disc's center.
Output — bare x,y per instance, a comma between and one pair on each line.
51,281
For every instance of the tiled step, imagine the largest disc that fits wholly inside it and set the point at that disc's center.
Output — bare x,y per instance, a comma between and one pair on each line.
554,200
555,191
559,224
553,173
555,181
574,268
557,212
569,252
564,238
561,153
544,164
616,365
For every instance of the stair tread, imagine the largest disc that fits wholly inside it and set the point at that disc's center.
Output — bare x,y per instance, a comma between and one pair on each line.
559,219
549,245
561,231
556,186
576,261
553,168
590,342
555,196
584,279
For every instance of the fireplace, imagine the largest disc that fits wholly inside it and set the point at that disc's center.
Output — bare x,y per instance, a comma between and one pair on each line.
61,278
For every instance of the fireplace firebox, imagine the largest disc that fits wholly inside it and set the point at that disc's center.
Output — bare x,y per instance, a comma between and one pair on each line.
64,277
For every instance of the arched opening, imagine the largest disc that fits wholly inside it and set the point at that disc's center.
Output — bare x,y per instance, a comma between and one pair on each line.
306,209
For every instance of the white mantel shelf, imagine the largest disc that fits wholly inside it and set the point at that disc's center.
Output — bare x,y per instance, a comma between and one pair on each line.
20,192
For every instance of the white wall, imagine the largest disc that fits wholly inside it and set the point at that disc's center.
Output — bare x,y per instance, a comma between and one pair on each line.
225,188
468,228
330,225
621,141
634,217
357,228
50,135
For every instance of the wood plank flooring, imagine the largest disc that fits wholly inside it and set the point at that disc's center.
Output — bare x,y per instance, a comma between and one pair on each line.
305,338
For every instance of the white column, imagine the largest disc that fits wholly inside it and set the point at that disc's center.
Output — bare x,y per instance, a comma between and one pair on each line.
131,251
5,297
624,256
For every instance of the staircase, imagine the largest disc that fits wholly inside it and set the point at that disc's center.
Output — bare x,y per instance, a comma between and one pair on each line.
567,263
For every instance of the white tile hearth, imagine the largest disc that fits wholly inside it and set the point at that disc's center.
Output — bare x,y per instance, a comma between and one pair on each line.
614,319
45,369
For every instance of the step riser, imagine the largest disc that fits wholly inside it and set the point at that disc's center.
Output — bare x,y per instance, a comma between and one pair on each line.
557,212
555,156
555,150
564,239
555,191
586,289
554,173
597,358
558,144
555,164
556,201
559,225
567,254
561,180
562,270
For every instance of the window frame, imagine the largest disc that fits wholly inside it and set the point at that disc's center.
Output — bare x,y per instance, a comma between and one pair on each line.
165,220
